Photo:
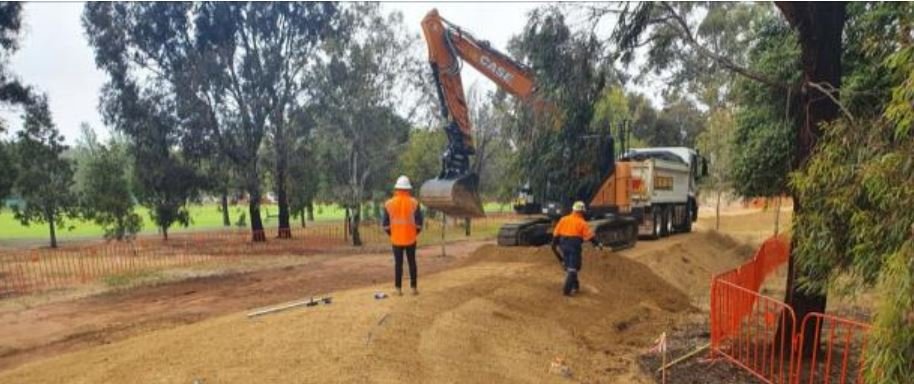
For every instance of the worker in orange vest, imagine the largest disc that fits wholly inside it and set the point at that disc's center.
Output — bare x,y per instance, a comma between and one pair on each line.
569,235
402,220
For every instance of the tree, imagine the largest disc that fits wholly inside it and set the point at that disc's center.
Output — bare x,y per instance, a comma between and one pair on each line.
360,87
8,172
856,229
819,29
259,57
232,71
559,139
138,46
44,177
716,143
12,92
105,189
420,158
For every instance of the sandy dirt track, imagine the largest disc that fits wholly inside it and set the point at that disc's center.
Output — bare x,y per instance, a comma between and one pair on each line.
497,317
48,330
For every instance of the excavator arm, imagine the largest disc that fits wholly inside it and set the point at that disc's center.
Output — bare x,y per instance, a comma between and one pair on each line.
455,190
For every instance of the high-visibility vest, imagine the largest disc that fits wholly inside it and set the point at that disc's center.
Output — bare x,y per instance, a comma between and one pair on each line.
573,225
401,209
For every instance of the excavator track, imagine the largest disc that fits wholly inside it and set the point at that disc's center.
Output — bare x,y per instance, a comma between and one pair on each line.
534,231
616,232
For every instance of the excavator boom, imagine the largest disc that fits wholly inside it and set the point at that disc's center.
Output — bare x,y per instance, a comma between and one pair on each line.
456,189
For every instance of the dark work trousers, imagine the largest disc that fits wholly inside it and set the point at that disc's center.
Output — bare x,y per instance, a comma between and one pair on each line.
572,256
398,265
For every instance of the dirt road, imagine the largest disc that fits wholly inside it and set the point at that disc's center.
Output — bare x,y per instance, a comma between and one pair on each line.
52,329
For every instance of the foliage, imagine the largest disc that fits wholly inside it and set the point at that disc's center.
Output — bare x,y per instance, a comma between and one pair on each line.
716,144
229,73
12,91
858,188
420,159
559,138
358,90
7,170
105,191
764,135
44,177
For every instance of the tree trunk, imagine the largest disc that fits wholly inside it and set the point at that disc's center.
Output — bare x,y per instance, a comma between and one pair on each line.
356,219
285,229
777,216
819,27
346,224
717,211
257,234
164,232
301,214
466,226
310,208
226,221
50,219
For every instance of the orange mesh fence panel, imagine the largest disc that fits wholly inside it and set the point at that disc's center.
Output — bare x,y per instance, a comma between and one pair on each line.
839,355
772,254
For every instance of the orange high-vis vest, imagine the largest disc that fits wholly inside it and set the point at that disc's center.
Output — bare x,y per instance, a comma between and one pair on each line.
402,212
573,225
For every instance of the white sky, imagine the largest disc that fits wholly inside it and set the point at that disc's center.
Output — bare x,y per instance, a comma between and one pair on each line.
55,57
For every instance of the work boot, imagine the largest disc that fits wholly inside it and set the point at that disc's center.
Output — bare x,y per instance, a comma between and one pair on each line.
415,291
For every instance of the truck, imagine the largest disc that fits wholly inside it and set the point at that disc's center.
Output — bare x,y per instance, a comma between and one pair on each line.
664,189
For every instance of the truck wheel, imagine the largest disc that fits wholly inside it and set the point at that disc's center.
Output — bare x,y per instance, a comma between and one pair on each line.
667,222
656,224
687,226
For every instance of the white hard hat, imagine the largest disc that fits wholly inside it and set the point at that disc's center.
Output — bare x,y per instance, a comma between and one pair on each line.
578,206
403,183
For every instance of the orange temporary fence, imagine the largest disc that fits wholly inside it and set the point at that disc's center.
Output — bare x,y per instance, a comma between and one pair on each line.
760,334
839,355
753,331
773,253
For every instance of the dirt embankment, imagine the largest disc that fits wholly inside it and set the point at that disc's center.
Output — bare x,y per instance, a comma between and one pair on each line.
499,318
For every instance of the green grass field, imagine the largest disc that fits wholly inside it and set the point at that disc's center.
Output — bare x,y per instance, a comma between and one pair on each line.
204,216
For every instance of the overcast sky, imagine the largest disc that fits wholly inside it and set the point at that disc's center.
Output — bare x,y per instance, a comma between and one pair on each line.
55,57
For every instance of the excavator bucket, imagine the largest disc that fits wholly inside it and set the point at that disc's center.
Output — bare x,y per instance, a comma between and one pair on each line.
455,197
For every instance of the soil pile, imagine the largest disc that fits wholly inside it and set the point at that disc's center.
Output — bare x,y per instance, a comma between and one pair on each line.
690,262
498,318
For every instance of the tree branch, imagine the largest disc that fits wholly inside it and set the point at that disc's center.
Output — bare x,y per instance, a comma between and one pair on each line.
829,92
681,24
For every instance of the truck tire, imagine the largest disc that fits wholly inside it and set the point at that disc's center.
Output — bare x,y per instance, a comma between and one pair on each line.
667,221
687,226
656,224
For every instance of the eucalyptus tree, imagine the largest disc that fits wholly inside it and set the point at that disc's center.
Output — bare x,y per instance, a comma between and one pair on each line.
360,88
44,177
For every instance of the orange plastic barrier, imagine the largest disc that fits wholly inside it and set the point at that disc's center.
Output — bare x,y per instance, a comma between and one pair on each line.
839,355
773,253
759,334
745,330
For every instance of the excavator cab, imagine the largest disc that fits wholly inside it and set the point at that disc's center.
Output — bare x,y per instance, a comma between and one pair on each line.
457,197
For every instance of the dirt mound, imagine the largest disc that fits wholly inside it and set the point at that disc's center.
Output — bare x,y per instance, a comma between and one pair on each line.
498,318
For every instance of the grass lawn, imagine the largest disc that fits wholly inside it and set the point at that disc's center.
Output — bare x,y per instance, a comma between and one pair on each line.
202,217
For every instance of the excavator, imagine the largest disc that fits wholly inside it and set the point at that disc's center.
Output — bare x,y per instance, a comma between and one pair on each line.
455,191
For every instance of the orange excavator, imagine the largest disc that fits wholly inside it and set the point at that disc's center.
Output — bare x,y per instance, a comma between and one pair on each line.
455,190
